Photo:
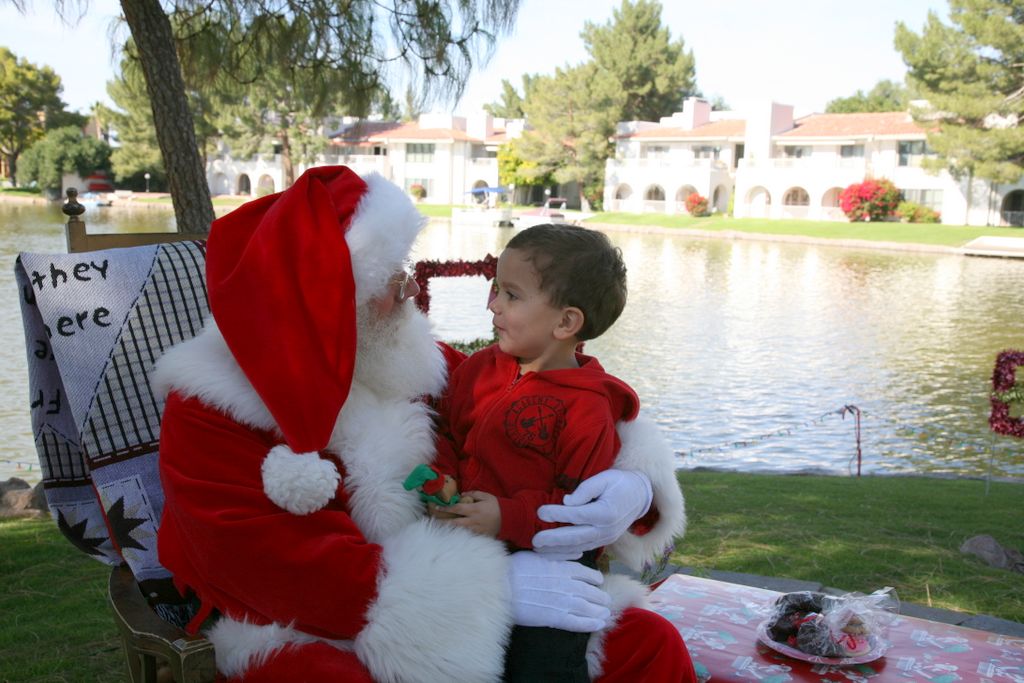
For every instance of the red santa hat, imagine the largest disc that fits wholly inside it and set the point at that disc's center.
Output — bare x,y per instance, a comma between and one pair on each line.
285,274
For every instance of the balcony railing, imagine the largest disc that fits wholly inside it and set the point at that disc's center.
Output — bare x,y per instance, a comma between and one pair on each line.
805,162
667,163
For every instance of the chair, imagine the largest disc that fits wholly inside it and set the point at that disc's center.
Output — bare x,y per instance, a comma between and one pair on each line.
95,322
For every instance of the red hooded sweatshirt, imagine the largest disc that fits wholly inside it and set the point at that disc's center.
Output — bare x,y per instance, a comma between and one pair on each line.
530,439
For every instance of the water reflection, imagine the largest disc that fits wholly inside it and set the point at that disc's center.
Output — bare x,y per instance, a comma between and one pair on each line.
742,351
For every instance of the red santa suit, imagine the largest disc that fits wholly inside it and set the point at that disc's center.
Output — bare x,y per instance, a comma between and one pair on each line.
530,439
284,449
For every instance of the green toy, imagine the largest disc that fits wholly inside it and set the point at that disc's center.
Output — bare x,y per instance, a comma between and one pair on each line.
433,486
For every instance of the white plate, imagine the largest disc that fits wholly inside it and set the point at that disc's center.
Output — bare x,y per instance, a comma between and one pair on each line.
878,648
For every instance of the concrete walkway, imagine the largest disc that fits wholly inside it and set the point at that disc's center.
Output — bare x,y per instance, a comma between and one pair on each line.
1003,247
981,622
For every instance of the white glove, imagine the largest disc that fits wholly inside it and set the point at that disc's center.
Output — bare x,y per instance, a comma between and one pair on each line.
600,510
556,594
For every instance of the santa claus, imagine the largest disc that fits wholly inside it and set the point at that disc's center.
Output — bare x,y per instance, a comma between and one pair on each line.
290,425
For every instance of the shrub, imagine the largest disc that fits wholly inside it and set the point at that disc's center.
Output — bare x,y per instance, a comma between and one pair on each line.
872,200
417,191
910,212
697,205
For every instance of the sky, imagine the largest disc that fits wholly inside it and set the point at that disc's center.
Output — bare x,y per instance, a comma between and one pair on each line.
799,52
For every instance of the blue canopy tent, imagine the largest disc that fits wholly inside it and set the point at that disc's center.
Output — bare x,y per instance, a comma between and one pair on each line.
480,193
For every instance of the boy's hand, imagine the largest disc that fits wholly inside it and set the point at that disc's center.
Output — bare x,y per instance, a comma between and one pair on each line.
481,516
445,511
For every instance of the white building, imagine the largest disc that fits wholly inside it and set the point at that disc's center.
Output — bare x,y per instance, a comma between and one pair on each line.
448,156
773,166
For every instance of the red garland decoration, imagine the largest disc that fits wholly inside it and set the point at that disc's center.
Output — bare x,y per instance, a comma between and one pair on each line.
488,267
1003,380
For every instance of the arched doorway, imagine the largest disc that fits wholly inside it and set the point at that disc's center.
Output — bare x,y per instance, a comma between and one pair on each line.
795,203
265,186
244,186
623,193
1012,210
654,199
759,202
720,199
681,194
830,204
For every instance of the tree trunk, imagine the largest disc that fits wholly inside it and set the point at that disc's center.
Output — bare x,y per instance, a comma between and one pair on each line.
175,130
287,166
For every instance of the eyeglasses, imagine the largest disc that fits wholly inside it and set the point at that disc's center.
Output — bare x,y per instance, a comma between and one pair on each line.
406,285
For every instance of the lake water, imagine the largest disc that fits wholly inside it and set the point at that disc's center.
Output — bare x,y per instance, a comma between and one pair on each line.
744,351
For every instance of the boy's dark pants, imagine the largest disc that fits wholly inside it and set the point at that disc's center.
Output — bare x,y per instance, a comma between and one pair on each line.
546,655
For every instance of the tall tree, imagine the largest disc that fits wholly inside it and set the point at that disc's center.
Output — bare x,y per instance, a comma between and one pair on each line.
636,72
572,115
886,95
438,40
510,105
971,73
30,104
655,72
60,151
139,152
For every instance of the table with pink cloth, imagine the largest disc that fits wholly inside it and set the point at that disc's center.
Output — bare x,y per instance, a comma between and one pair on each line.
719,623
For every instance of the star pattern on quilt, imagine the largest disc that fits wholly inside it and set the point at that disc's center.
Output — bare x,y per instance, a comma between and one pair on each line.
76,533
122,526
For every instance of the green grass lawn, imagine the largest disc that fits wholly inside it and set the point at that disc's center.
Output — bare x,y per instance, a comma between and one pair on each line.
436,210
859,534
56,623
914,233
19,192
849,533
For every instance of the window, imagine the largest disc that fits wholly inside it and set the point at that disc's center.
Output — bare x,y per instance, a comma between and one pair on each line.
796,151
381,150
419,152
706,152
930,198
851,151
481,152
654,151
912,151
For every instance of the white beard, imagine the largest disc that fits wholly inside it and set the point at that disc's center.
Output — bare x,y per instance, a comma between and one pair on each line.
396,355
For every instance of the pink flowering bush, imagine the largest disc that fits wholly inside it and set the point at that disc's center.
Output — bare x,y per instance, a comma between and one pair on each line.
696,205
874,199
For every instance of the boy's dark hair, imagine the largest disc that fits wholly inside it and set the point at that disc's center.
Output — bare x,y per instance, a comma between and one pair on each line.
578,267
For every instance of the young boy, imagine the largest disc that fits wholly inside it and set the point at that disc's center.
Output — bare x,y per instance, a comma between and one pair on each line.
529,418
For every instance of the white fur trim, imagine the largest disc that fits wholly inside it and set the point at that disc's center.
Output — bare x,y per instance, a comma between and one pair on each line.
300,483
380,441
442,611
381,234
624,592
204,368
240,645
645,450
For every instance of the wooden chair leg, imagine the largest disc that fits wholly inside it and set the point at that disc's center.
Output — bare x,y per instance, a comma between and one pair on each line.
148,639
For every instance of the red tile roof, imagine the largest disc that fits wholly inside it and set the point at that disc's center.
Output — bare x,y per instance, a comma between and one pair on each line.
382,131
726,128
412,131
854,125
